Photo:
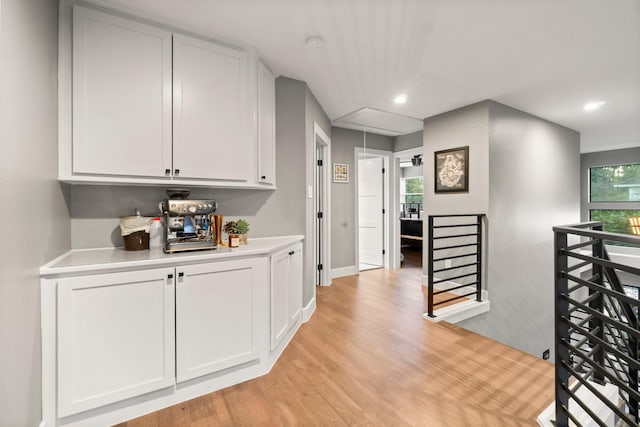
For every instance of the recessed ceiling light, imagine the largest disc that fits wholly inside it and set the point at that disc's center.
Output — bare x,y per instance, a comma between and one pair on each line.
314,42
400,99
594,105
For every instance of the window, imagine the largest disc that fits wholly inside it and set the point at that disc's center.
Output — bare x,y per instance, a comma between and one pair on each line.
614,197
411,195
411,190
620,183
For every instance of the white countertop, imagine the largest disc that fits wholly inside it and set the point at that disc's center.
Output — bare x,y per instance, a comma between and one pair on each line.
116,259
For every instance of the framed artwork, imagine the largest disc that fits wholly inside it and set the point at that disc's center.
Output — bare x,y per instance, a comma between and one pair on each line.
341,172
451,169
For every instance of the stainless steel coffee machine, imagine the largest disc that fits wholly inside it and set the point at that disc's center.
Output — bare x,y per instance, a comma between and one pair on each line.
188,224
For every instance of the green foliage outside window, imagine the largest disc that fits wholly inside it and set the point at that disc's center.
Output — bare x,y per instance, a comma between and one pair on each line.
614,220
413,190
619,183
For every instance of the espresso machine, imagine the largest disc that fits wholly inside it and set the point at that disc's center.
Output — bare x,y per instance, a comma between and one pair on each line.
188,224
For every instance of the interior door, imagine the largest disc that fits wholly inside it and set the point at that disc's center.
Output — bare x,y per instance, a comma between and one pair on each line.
370,216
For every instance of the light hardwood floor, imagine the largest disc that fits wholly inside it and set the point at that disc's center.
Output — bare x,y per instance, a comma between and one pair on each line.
367,357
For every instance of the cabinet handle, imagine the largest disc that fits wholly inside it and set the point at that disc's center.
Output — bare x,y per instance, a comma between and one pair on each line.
181,274
292,252
169,279
169,276
263,177
176,171
167,172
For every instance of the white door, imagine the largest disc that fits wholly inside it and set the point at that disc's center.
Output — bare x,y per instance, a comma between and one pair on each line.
121,96
211,132
370,206
115,337
215,317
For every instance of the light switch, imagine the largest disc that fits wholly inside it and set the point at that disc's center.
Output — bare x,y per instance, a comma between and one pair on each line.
310,192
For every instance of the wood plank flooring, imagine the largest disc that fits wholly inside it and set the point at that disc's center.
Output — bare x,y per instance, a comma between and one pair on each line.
368,358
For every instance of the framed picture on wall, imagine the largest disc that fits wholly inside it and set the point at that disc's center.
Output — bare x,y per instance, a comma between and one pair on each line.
451,169
341,172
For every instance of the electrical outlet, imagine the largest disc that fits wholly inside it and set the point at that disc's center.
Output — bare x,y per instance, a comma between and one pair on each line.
546,354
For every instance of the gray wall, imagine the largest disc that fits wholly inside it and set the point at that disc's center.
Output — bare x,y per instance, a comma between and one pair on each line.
405,142
534,185
603,158
466,126
411,171
343,196
36,228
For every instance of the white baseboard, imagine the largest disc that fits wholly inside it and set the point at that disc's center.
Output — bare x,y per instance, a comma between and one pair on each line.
42,424
308,311
344,271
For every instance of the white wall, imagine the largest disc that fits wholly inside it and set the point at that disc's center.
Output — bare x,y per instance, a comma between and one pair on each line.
35,216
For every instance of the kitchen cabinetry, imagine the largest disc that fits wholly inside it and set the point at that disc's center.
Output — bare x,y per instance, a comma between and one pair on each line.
286,292
210,111
216,317
128,333
121,96
115,337
143,104
266,126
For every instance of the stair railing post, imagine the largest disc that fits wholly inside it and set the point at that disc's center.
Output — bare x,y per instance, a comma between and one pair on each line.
479,259
597,303
562,329
430,267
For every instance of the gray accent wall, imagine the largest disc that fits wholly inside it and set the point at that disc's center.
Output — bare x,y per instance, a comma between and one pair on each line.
343,195
534,184
35,213
405,142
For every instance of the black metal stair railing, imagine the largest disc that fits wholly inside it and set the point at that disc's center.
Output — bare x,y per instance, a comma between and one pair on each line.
454,263
597,328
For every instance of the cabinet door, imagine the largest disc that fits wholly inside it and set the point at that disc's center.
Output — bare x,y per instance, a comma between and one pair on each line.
210,111
295,283
266,126
279,297
121,96
115,337
215,317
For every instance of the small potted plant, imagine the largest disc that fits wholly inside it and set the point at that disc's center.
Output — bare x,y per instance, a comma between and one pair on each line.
238,229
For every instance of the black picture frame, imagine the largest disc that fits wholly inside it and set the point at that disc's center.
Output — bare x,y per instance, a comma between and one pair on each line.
451,170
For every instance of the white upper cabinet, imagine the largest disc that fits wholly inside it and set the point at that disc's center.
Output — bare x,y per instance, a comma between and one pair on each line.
144,104
210,111
121,96
266,126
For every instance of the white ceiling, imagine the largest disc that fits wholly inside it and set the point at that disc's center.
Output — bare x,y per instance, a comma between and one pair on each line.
545,57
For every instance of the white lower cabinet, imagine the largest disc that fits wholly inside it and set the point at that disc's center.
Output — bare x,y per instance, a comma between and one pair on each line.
216,317
117,345
115,337
286,292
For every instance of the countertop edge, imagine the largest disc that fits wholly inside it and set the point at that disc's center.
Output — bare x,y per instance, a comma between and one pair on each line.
49,271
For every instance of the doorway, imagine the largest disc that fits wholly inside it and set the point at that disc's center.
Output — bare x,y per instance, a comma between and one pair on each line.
409,226
372,208
321,207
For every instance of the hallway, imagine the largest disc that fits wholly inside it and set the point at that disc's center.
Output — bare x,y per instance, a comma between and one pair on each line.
367,357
